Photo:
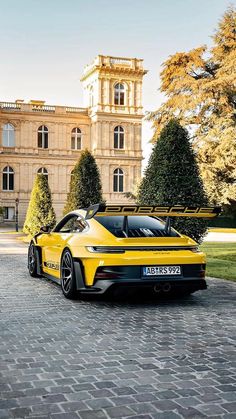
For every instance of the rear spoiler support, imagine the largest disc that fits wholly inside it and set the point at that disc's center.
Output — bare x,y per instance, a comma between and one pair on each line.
168,225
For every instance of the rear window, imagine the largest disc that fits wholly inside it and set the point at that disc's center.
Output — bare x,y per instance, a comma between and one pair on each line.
137,226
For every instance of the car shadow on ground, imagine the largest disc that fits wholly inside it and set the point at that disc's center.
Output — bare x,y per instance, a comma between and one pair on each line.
139,298
144,298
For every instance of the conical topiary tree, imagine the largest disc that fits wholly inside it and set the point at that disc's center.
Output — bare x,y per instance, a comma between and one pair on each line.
172,177
40,210
85,184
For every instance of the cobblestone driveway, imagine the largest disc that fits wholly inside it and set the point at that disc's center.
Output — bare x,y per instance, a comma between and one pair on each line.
99,359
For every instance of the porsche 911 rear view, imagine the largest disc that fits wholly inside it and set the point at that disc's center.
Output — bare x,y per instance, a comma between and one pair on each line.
105,248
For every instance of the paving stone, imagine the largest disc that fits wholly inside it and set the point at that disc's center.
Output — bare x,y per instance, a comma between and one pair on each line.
4,414
96,404
230,407
145,397
80,395
101,393
64,416
8,404
230,397
73,406
210,397
226,387
39,417
167,394
46,408
4,387
143,408
83,386
188,401
105,384
95,414
190,413
11,394
141,417
20,412
60,389
53,398
165,405
123,391
166,415
94,358
119,412
211,409
122,400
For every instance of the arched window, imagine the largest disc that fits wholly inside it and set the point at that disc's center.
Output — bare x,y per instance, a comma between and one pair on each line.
119,137
118,180
119,97
43,171
8,179
8,136
76,139
43,137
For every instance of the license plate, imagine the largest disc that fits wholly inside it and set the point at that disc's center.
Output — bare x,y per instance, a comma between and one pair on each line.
161,270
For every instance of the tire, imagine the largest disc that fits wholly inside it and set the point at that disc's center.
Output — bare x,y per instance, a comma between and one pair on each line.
32,261
68,281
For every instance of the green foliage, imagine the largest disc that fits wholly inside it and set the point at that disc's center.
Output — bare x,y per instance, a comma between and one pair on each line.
172,177
221,259
200,89
40,210
85,184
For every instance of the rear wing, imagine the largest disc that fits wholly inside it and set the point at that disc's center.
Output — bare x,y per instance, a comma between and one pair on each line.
158,211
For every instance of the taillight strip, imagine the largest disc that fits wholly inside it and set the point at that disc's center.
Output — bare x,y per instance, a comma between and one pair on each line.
122,249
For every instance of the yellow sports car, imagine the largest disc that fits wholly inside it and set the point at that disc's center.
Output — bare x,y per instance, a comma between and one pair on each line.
105,247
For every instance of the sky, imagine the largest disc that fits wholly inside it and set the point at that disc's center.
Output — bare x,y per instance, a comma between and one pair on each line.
45,44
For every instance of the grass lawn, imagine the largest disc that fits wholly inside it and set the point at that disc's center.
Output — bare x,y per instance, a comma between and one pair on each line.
221,259
221,230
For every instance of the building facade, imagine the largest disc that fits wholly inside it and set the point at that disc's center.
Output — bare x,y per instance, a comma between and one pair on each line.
38,138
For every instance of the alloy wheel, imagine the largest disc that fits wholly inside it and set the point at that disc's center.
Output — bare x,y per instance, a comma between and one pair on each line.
66,272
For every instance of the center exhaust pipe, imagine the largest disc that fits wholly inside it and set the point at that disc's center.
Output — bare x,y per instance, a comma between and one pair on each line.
157,288
166,287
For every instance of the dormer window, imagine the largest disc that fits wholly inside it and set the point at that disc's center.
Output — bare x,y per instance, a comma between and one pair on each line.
119,97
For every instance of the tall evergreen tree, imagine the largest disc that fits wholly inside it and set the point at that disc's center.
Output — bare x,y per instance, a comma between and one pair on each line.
85,184
40,210
200,88
172,177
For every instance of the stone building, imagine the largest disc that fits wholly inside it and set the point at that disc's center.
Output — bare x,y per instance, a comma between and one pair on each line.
39,138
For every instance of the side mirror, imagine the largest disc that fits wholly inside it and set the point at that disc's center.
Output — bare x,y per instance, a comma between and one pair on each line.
45,229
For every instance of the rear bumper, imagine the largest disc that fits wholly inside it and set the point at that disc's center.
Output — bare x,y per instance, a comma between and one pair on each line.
103,286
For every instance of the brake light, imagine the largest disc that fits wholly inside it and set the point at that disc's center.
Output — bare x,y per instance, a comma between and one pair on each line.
105,249
195,249
107,273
